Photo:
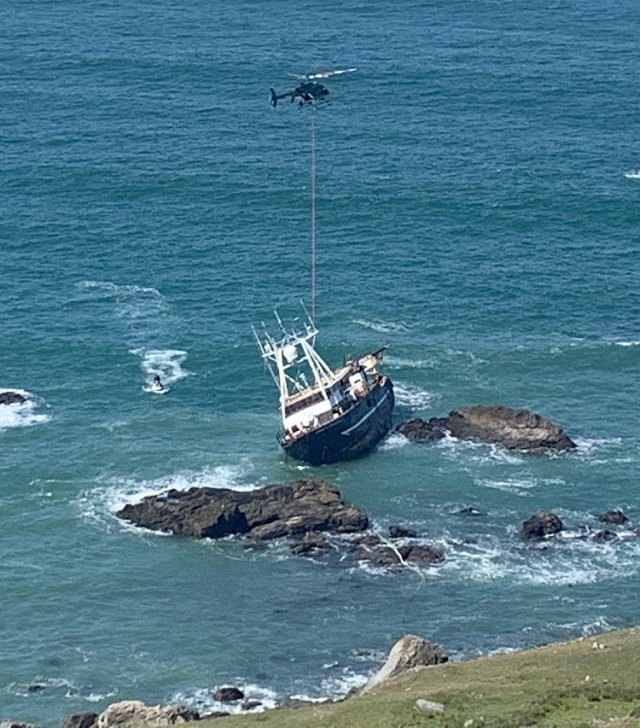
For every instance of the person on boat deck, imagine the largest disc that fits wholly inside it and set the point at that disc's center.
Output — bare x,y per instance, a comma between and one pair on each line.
157,382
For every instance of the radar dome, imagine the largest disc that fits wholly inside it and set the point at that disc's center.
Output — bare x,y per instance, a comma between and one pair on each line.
290,353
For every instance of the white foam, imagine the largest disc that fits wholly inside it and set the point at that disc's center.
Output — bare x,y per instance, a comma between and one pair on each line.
382,327
397,362
394,441
632,174
99,504
21,414
410,395
518,486
627,343
164,363
202,699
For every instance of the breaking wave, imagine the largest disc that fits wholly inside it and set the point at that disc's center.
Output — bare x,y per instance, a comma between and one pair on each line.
21,414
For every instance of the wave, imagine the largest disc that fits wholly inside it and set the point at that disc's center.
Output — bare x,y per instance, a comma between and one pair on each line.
21,414
412,396
632,174
382,327
164,363
99,505
518,486
202,699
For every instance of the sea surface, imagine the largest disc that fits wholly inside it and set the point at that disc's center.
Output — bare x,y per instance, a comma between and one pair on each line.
476,210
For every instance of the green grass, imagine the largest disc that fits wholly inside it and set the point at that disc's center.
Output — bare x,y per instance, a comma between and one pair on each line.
568,684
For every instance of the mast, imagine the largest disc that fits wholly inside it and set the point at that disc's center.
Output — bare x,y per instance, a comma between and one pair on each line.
313,212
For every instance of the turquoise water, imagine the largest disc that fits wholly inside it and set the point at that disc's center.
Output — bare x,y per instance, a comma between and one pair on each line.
473,210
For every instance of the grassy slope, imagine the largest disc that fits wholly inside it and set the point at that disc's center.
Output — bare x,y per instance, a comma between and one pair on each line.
546,686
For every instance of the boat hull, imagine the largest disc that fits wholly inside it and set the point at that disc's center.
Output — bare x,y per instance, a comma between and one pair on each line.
355,433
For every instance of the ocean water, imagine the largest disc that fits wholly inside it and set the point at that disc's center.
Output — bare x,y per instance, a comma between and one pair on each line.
473,211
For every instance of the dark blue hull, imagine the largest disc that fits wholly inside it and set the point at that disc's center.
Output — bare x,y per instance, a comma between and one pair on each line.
355,433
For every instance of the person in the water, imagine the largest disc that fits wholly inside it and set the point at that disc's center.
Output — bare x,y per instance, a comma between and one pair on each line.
157,382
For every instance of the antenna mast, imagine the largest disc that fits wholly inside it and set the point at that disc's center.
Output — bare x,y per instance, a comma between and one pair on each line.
313,213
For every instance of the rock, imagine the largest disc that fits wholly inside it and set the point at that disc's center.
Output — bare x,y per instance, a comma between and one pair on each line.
470,511
543,523
428,706
228,694
409,652
513,429
136,713
310,543
390,555
35,688
417,430
7,398
16,724
401,532
615,517
80,720
265,513
604,536
251,705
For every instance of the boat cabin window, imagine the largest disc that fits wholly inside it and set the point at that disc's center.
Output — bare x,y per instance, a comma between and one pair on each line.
303,404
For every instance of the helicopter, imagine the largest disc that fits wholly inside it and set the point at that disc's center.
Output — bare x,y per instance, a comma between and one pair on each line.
311,90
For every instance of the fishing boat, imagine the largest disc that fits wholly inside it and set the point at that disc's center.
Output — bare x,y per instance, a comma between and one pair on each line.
328,414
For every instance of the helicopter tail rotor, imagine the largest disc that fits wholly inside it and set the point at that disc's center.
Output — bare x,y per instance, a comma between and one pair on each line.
274,98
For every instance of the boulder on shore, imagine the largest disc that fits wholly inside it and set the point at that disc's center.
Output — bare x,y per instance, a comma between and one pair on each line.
513,429
408,653
136,713
266,513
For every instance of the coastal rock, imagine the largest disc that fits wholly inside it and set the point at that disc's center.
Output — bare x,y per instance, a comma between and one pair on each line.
16,724
387,555
228,694
409,652
418,430
401,532
543,523
266,513
513,429
614,517
310,543
80,720
10,397
136,713
604,536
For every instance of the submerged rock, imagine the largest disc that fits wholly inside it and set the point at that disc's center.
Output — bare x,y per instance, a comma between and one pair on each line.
543,523
408,653
266,513
615,517
513,429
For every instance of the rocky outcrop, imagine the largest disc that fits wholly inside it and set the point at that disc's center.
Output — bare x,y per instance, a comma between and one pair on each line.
266,513
408,653
614,517
513,429
418,430
9,397
16,724
136,713
80,720
540,525
228,694
386,554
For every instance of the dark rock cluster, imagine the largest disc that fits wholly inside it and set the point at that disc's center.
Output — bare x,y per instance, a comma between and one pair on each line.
513,429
